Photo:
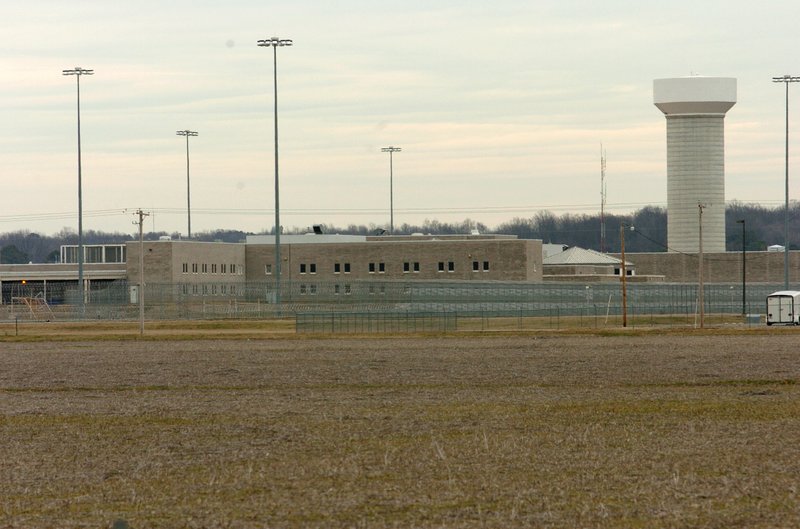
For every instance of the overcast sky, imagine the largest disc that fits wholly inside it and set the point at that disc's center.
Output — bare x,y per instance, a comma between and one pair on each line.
500,108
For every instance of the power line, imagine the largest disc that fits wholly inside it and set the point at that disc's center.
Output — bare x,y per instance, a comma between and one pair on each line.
534,208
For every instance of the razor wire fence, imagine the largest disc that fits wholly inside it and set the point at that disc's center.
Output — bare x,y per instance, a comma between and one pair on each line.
383,305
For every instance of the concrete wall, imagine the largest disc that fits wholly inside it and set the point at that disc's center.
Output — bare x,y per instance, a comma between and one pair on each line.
726,267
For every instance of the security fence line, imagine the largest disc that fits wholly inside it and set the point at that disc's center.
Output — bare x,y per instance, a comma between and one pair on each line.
598,303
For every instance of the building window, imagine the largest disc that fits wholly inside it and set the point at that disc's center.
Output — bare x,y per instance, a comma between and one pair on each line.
184,289
347,290
451,266
94,254
223,268
381,268
312,289
303,269
213,268
336,289
205,268
486,266
194,268
372,290
312,268
347,268
302,290
441,266
233,289
416,266
114,254
233,269
267,269
372,268
475,266
194,289
337,268
406,267
205,289
383,290
185,268
223,289
240,269
213,290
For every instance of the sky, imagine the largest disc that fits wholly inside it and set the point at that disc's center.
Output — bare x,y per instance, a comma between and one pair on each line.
500,108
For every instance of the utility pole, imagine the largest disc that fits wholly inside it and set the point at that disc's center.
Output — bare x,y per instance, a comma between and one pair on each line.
701,301
141,214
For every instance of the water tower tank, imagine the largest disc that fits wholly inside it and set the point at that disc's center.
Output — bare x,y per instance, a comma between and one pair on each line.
695,110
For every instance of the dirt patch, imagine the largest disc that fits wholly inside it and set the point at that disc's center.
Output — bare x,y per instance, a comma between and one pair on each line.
545,431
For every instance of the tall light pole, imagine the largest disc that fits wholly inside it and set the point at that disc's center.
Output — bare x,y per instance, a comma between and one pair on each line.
623,274
78,72
786,79
275,43
744,263
391,150
188,133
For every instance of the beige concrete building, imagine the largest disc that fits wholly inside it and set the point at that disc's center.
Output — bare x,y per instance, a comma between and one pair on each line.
415,257
196,268
219,269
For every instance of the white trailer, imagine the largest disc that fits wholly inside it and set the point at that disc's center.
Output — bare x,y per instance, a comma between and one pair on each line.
783,307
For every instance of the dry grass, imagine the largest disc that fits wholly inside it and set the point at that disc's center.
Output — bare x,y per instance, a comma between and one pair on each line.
503,431
27,331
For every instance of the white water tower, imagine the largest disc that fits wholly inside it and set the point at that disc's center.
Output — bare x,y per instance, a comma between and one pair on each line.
695,109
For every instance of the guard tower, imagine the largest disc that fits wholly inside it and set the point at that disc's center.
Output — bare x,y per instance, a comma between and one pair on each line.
695,109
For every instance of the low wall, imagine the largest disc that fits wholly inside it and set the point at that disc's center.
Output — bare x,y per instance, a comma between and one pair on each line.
760,267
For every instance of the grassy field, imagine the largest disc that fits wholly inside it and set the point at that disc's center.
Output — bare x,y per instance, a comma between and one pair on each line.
265,429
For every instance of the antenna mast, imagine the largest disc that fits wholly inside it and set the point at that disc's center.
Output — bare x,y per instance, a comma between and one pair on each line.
602,199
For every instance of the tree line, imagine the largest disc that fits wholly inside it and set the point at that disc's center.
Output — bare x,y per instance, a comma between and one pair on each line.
763,227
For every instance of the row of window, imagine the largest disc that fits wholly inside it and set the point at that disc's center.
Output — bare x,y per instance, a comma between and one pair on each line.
380,267
206,290
102,253
223,268
215,290
340,289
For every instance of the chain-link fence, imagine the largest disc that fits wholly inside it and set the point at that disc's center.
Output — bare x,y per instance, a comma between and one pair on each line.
474,305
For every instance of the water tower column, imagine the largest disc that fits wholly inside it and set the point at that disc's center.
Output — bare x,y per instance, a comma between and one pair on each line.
695,110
